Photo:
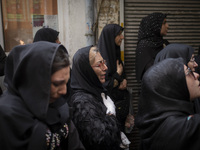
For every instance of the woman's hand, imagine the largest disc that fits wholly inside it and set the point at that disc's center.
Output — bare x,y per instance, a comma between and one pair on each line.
119,68
123,85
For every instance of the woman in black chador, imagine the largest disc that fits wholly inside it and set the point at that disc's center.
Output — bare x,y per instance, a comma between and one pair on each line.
51,35
109,46
47,34
94,112
166,117
2,64
150,41
33,113
178,50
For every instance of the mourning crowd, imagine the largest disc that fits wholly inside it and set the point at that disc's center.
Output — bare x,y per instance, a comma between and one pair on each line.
51,103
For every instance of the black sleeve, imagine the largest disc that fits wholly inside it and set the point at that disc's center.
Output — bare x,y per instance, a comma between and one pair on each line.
73,139
2,61
109,84
96,128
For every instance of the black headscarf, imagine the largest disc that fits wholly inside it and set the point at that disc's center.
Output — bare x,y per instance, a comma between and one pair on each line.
150,42
83,76
2,61
108,48
164,109
175,51
46,34
25,104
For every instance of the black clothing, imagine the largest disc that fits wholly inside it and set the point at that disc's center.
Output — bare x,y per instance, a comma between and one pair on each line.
97,130
51,35
27,119
111,53
2,61
46,34
2,64
166,118
150,42
175,51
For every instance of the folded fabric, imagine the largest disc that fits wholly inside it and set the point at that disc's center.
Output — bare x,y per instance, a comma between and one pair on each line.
109,104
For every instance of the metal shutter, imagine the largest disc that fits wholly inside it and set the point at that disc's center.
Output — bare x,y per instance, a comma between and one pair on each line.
184,27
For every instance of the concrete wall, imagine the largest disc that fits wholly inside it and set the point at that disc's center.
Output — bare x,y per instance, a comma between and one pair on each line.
72,21
71,16
109,13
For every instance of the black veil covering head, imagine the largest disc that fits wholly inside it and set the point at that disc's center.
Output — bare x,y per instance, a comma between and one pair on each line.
150,42
150,26
174,51
83,76
46,34
107,47
25,111
2,60
26,67
164,95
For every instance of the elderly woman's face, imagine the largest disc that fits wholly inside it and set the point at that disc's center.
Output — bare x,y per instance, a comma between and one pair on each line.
192,63
192,83
99,67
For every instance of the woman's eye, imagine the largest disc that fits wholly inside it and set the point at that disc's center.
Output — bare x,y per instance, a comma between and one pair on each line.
55,84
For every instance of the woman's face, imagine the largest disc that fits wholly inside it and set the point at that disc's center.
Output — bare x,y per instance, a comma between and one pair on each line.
192,63
59,81
164,28
192,83
119,38
99,67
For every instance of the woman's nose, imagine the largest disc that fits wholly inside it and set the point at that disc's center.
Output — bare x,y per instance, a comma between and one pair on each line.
105,67
63,90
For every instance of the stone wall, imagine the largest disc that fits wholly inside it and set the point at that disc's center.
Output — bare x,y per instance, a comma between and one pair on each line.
107,12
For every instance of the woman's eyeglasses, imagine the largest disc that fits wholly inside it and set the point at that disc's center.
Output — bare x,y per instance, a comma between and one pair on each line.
189,71
101,64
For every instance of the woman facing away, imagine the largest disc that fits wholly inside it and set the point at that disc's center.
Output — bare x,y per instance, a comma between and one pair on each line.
166,117
47,34
94,112
150,41
33,113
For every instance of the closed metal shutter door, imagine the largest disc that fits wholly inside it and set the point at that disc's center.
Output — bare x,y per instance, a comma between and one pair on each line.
184,27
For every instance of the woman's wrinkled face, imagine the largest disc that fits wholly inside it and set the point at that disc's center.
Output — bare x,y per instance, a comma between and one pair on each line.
164,28
192,63
192,83
119,38
99,67
59,83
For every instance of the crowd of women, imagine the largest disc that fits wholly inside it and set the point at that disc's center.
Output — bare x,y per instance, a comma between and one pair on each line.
49,105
